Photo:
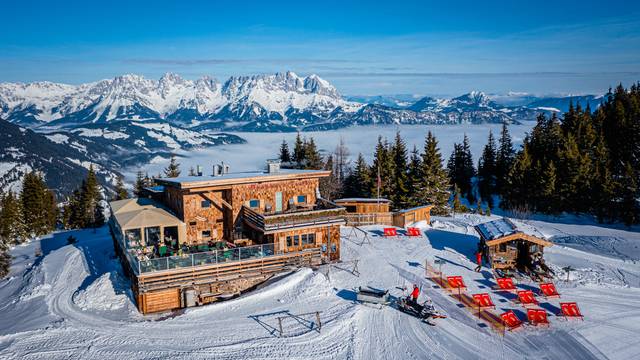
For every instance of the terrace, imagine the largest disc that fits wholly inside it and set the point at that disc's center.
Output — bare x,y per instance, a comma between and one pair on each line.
321,213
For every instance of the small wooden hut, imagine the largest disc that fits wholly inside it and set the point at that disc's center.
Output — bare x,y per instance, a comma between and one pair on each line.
508,249
366,211
406,217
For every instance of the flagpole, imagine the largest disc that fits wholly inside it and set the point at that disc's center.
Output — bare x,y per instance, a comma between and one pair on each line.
378,197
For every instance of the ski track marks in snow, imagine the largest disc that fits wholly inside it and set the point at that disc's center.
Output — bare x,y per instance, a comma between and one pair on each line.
75,303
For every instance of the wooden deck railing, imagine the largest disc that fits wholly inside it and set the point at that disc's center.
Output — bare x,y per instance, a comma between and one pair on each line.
271,222
383,218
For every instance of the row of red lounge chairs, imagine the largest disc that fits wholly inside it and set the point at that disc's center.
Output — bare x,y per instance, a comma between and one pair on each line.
526,298
393,232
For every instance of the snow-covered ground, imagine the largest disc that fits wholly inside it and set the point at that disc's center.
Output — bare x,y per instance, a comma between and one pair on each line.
74,302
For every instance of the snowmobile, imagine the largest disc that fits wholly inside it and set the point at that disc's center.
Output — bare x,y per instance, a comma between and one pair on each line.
426,312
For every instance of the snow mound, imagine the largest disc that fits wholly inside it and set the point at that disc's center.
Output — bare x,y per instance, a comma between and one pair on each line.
101,295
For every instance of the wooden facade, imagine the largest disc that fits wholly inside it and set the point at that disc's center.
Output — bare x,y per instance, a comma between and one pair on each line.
363,211
404,218
280,210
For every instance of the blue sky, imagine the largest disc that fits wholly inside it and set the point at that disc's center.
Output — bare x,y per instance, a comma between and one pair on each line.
418,47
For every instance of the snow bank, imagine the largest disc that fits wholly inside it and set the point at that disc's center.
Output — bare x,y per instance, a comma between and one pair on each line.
100,295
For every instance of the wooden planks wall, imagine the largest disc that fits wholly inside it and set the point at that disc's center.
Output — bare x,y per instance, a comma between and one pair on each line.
160,300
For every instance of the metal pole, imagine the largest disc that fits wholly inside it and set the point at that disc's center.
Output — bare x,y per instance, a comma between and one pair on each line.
192,261
167,259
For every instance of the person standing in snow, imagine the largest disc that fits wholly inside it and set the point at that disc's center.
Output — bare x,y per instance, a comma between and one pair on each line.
479,261
415,294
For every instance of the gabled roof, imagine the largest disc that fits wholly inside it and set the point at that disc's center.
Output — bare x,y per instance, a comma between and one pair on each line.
125,205
503,230
496,229
142,212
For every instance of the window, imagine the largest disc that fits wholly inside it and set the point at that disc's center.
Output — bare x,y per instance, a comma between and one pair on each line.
205,204
503,247
296,240
289,244
302,198
192,223
351,208
152,235
133,237
254,203
308,239
206,233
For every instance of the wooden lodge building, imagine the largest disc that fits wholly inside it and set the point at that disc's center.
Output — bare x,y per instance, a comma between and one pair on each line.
370,211
509,249
197,239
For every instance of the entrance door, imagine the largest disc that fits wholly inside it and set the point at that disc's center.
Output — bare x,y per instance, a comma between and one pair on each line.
279,201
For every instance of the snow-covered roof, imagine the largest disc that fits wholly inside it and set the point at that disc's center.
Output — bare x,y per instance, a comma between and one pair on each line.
496,229
362,200
240,177
414,208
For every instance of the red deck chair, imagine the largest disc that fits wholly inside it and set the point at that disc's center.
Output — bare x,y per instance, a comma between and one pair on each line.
483,300
527,298
537,316
570,310
413,231
456,282
390,232
506,284
549,290
510,320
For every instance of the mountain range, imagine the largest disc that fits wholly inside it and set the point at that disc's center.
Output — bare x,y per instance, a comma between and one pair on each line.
277,102
128,120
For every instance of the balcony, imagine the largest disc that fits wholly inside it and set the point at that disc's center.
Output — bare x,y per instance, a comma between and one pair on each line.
322,212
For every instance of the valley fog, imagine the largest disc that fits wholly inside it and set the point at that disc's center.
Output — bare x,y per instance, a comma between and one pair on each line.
361,139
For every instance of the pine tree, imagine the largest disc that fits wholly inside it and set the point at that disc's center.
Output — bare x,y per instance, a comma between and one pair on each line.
548,195
461,169
433,187
381,170
629,204
399,182
604,185
5,260
414,176
37,204
504,158
84,208
13,229
519,185
299,151
285,155
330,187
487,171
140,184
173,169
313,159
358,183
121,192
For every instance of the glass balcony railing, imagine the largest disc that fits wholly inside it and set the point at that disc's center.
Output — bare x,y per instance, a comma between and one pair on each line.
203,258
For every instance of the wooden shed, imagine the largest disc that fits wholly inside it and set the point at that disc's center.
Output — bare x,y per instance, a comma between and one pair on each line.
403,218
366,211
509,249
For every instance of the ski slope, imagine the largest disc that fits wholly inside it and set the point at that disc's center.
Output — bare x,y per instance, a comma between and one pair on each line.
74,302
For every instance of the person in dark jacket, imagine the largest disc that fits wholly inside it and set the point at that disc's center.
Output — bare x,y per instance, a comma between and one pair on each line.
479,261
